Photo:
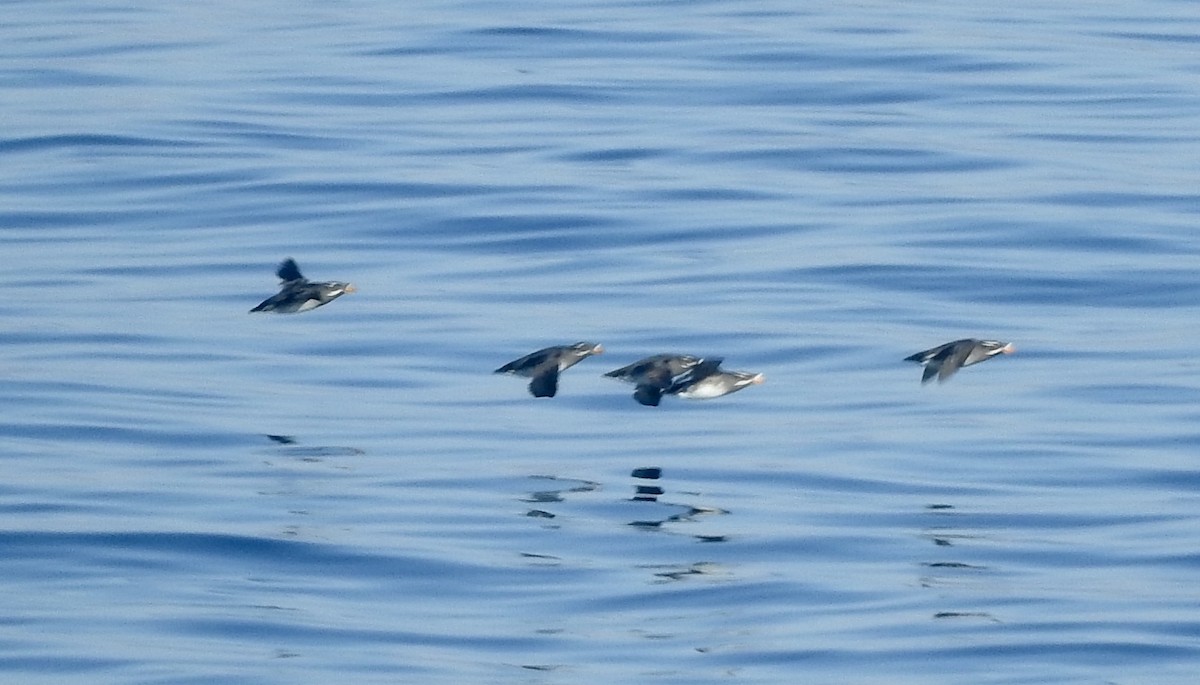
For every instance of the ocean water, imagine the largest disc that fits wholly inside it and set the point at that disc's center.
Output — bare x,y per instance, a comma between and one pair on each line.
192,494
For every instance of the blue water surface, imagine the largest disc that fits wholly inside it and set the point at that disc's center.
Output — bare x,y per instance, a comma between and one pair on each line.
192,494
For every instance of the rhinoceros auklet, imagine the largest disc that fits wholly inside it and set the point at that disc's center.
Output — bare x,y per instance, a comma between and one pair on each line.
544,365
944,361
298,294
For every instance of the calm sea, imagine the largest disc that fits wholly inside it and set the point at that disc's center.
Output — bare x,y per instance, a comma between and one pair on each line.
191,494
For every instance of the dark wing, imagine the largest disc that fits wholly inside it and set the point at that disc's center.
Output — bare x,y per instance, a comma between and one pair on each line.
528,363
921,357
659,376
924,356
931,371
637,369
545,381
648,395
940,351
283,301
952,358
288,271
624,371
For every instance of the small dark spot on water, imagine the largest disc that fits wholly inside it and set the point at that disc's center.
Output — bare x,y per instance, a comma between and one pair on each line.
965,614
649,473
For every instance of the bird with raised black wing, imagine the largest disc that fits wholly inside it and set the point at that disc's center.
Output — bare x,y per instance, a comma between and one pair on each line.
653,375
544,366
298,294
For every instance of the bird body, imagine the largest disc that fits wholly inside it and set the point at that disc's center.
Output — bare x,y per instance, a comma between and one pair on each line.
298,294
945,360
683,375
544,366
654,375
707,380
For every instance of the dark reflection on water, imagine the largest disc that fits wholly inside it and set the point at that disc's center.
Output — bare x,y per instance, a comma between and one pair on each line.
559,495
647,493
289,447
